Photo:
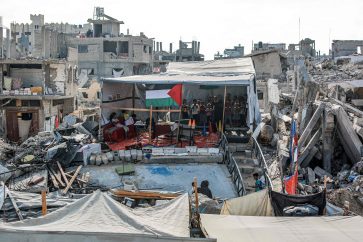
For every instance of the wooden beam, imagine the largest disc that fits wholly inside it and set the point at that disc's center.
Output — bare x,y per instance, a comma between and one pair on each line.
44,202
78,179
72,180
17,210
314,119
62,173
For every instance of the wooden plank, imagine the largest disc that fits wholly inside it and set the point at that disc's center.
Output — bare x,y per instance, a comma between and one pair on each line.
57,178
44,202
78,179
72,180
144,194
52,178
314,119
62,173
17,210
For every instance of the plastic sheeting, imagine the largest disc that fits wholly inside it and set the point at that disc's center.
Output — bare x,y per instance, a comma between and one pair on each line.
228,228
99,213
254,204
239,71
280,201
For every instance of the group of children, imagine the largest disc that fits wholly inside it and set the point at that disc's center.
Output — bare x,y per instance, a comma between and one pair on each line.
211,111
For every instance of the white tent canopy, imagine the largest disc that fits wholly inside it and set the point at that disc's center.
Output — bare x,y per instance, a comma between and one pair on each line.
214,73
97,217
228,228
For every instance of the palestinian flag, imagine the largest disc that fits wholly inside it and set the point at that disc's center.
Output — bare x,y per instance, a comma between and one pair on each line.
165,97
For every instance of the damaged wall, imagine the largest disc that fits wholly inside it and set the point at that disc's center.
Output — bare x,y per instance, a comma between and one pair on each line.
267,65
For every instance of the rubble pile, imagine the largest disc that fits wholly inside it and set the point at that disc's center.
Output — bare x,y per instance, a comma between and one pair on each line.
329,134
343,69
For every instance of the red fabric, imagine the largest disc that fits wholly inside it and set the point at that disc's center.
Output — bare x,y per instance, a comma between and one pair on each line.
115,134
200,141
291,183
56,122
176,94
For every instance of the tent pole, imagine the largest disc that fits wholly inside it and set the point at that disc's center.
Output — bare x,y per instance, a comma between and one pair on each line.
44,202
180,109
177,134
224,107
150,122
133,96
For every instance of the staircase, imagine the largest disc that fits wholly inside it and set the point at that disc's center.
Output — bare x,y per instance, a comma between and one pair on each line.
246,164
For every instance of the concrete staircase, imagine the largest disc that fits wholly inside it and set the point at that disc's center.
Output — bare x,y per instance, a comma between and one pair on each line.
247,164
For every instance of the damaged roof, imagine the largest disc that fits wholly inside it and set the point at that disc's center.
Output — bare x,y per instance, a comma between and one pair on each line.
214,72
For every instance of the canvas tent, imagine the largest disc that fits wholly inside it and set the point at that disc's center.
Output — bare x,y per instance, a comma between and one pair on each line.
254,204
97,217
228,228
199,80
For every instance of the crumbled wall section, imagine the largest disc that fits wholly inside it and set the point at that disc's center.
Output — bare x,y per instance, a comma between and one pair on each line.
58,78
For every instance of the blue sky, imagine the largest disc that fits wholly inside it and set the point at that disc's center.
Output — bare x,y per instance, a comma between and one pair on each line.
216,24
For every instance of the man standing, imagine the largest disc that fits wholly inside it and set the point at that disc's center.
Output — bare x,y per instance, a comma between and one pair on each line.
194,109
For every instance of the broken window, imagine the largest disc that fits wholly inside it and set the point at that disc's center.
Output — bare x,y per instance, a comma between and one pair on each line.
58,102
86,72
145,49
85,94
124,48
150,50
70,74
109,46
259,95
82,48
30,103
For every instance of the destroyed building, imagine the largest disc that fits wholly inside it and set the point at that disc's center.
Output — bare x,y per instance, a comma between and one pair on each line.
269,64
236,52
43,40
262,47
346,47
305,47
5,41
188,51
35,94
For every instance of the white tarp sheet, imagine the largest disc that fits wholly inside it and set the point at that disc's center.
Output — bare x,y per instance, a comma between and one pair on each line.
228,228
98,213
239,71
254,204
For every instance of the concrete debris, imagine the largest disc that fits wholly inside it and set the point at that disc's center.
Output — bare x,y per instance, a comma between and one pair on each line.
325,104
